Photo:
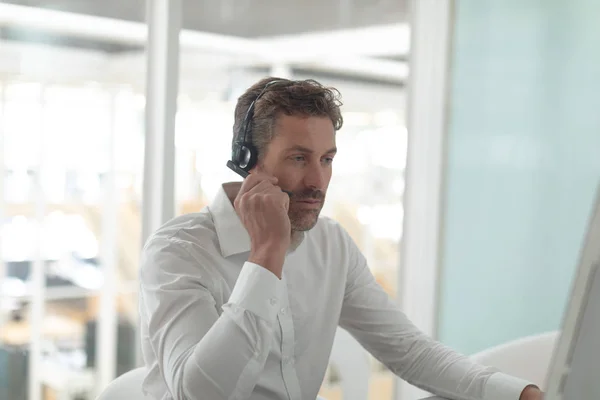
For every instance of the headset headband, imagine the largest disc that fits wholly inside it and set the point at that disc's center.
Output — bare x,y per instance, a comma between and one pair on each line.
250,113
244,154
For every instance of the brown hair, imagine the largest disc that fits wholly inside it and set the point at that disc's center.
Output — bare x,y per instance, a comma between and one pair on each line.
301,98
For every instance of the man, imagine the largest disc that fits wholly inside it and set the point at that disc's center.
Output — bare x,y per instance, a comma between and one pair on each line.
242,300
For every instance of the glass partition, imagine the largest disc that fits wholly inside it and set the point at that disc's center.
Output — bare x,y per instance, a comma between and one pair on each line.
522,168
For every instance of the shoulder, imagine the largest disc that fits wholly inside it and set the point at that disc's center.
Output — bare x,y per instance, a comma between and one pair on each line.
184,245
196,229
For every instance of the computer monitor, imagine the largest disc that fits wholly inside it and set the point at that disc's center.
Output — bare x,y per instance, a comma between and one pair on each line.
574,370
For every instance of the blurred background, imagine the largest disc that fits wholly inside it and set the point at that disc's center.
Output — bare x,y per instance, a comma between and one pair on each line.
495,109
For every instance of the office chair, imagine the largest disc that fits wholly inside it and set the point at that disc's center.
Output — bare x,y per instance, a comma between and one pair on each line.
126,387
527,358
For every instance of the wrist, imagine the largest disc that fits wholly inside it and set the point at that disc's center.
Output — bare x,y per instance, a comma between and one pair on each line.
269,258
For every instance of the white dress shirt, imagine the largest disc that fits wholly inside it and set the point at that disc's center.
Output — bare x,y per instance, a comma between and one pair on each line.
215,326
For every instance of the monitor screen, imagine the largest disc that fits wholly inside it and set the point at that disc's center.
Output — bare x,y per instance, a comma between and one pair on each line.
574,369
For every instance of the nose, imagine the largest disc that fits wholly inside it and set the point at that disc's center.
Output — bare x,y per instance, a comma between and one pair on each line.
315,177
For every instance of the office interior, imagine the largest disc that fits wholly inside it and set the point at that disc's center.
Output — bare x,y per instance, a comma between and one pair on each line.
467,165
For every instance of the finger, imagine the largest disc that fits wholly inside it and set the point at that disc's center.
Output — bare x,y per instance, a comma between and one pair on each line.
280,196
254,179
261,187
288,193
260,176
260,172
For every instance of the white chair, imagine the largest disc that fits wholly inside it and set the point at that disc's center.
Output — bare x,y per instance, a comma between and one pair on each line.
527,358
126,387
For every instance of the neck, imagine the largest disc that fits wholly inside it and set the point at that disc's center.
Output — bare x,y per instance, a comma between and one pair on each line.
296,237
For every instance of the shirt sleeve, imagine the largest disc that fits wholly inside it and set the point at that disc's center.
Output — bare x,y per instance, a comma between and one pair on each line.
371,316
201,353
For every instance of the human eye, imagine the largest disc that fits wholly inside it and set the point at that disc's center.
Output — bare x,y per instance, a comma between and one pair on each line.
327,160
298,158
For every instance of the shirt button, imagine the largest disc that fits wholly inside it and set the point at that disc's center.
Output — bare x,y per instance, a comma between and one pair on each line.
273,301
283,311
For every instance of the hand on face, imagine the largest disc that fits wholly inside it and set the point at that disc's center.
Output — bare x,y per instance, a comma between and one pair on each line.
300,155
263,209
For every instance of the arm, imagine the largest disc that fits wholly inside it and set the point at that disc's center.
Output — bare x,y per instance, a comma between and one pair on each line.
200,354
376,322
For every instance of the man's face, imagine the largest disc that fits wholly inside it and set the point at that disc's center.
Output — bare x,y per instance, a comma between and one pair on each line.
300,157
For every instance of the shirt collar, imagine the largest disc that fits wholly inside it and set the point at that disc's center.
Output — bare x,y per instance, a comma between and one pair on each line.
233,237
231,233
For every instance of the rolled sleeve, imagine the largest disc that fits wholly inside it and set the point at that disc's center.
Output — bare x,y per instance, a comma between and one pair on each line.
259,291
501,386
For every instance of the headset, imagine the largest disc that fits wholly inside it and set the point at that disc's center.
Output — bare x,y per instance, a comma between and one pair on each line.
244,154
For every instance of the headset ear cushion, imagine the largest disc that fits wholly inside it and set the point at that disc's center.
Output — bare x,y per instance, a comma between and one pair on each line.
248,156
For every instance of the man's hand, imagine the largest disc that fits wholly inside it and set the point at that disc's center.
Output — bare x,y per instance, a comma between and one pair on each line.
263,209
532,393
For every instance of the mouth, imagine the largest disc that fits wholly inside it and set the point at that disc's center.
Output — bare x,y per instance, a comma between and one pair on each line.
310,201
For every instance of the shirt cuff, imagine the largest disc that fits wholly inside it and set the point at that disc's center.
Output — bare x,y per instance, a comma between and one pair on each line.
258,290
501,386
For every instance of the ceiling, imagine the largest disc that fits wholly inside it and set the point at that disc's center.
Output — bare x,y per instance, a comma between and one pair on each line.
248,18
281,24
